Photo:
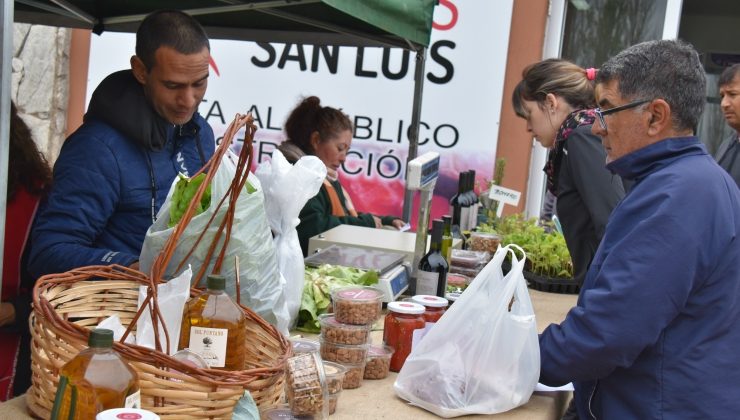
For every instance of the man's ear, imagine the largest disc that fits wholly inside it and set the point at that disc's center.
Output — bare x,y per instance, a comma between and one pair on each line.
139,69
660,117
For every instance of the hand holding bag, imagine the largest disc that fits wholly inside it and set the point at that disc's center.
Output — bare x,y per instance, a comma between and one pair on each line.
482,356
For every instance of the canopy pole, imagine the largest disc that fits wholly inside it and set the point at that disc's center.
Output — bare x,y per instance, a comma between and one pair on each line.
408,197
6,52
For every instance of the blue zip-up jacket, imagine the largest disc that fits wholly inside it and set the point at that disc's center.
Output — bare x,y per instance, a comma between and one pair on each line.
108,171
656,331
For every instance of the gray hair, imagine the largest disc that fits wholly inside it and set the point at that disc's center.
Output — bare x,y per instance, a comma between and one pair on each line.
667,69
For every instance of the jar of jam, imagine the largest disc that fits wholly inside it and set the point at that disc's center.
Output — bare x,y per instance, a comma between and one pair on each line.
434,306
398,330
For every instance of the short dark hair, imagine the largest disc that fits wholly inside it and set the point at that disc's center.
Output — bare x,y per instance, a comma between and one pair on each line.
728,75
665,69
169,28
309,116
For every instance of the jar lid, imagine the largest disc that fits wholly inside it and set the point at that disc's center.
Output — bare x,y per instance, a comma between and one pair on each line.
126,414
303,345
359,294
406,308
430,300
452,296
380,351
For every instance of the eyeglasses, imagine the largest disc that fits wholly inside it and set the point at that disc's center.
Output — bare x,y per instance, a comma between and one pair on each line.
600,114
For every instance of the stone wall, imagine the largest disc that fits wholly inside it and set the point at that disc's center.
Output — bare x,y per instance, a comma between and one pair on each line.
40,83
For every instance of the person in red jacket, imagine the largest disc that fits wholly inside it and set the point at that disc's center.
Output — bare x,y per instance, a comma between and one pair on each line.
29,177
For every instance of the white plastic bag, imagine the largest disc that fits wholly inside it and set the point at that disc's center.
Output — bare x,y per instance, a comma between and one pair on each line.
480,357
171,298
262,287
287,189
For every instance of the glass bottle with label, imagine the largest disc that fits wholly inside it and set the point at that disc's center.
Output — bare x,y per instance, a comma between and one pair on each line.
474,201
403,321
215,327
431,276
95,380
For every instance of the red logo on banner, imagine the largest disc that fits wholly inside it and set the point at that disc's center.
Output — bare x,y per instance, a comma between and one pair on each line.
453,16
212,63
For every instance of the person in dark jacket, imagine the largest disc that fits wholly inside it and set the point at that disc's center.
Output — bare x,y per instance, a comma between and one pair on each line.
656,328
141,129
326,133
556,98
728,152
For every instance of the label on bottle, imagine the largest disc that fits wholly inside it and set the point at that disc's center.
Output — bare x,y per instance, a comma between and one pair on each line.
210,344
133,400
426,282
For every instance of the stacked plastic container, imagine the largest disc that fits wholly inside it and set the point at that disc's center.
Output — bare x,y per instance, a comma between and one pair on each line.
465,265
345,334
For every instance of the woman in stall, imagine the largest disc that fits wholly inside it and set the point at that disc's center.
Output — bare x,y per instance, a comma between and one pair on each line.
29,177
325,132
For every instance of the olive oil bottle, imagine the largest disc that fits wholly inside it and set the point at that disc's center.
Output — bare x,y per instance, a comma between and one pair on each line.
95,380
215,327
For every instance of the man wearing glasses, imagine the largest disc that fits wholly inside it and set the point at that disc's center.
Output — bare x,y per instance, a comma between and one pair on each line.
656,329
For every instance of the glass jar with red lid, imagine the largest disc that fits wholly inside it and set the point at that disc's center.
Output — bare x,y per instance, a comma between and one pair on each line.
402,320
434,306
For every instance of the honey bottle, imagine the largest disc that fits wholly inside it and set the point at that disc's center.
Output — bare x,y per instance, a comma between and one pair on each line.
215,327
95,380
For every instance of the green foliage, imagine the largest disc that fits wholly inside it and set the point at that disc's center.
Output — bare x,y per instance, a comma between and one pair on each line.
319,283
547,253
185,190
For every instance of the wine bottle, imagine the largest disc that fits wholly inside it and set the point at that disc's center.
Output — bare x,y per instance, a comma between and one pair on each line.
447,238
455,207
465,202
431,276
474,201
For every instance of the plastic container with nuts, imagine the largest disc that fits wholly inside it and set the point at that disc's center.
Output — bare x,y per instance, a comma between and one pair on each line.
281,412
334,331
480,241
354,375
305,386
304,345
378,362
343,353
333,399
334,373
357,305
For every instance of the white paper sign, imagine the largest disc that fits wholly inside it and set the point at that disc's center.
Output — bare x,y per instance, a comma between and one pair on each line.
503,196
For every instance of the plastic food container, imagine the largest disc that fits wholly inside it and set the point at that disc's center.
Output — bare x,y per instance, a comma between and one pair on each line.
434,306
378,362
480,241
334,373
459,281
333,331
467,258
281,412
304,345
357,305
126,413
333,399
354,375
398,330
305,385
343,353
466,271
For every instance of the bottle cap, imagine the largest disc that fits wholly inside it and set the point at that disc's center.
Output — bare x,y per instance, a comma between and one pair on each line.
216,282
100,337
406,308
437,228
447,219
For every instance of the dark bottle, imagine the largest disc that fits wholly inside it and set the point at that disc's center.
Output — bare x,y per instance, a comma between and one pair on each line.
465,202
473,199
455,207
431,276
447,238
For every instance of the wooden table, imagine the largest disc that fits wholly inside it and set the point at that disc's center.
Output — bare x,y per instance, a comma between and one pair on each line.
376,399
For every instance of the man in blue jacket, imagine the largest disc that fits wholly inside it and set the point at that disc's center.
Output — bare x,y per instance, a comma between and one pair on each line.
656,331
140,130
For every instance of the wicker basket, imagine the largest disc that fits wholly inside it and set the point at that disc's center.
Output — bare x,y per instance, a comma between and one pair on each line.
67,305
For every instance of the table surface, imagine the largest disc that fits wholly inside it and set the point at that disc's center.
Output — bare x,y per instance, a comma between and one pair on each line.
376,399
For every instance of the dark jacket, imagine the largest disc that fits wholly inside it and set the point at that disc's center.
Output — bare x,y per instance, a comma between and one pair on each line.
656,329
112,174
728,156
316,216
587,193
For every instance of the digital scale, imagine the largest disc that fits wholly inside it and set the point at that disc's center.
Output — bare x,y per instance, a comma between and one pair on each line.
393,273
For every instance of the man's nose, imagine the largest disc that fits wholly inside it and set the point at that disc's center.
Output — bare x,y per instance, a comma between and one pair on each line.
598,129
